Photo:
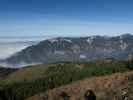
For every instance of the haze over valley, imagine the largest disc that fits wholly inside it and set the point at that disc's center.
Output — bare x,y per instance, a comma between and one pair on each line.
9,45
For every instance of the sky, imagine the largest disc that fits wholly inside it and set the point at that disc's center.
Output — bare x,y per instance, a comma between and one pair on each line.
50,18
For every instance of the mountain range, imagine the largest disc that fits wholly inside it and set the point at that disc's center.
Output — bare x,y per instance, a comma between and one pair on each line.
74,49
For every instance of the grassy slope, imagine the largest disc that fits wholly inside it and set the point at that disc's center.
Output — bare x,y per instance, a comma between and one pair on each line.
27,73
34,72
5,72
34,79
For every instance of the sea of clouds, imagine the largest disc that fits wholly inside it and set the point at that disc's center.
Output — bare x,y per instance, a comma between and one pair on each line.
8,49
12,45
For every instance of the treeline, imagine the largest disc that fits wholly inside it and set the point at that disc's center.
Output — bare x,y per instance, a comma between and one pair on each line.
61,74
5,71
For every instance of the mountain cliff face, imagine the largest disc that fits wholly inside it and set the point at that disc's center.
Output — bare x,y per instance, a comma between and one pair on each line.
75,49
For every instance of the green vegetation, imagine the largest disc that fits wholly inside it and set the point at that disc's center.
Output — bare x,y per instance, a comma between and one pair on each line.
130,64
19,86
5,71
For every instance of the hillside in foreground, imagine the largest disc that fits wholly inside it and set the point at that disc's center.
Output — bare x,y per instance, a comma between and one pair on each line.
32,80
111,87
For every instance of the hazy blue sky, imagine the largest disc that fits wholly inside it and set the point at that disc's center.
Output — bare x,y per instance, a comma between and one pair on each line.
65,17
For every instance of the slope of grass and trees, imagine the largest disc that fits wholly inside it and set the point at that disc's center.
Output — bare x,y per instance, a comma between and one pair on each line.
31,80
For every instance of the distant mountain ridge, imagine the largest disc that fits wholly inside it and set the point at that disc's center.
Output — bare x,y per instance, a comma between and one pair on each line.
75,49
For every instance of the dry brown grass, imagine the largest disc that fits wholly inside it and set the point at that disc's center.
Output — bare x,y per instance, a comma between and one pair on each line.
110,87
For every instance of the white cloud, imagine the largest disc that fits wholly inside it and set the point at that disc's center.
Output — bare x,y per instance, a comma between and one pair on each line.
7,50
